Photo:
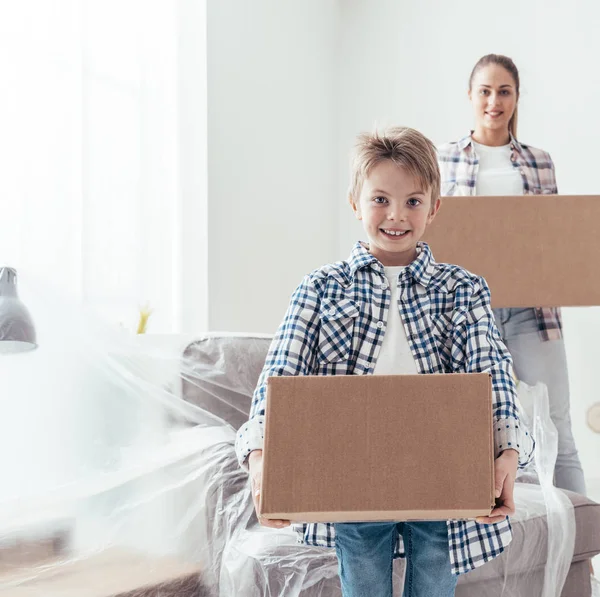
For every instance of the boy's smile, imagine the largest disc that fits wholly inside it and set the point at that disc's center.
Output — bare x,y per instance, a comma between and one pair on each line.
393,233
395,211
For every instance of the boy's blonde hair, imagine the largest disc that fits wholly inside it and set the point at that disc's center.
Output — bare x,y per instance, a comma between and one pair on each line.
404,146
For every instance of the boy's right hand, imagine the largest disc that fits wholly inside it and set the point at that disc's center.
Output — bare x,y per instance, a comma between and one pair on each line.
255,464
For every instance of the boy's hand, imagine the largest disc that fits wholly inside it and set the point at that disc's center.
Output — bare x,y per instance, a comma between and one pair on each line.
255,463
505,472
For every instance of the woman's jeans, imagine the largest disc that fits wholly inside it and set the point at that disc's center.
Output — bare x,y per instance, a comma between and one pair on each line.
365,551
534,361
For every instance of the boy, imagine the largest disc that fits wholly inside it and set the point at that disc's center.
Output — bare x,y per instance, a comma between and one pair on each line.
391,309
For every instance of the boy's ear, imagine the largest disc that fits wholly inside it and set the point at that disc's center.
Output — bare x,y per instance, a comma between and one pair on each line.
355,208
434,211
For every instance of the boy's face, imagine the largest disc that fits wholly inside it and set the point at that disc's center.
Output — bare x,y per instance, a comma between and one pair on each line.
395,212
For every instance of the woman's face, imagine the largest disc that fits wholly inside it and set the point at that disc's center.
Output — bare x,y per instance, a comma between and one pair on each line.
494,97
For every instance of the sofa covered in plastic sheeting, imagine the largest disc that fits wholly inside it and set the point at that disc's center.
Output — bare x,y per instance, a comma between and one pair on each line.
555,532
120,479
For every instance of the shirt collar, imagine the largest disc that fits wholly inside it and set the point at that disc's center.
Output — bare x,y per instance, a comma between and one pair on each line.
468,140
421,269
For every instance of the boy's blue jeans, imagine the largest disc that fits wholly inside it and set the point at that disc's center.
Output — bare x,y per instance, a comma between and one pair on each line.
365,551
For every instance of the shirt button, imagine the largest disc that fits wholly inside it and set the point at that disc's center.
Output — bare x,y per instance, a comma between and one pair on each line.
384,285
332,312
380,324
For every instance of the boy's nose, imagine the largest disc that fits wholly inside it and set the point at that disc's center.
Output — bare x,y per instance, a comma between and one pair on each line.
396,216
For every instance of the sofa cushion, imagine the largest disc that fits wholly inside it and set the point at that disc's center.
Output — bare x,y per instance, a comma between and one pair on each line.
220,373
587,520
530,537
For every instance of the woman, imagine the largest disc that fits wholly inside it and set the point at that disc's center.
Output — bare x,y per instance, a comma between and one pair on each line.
490,161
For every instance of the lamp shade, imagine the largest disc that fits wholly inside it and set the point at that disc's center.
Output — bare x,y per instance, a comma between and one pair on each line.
17,333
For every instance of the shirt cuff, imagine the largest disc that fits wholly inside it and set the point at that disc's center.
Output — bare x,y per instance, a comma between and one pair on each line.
510,435
250,437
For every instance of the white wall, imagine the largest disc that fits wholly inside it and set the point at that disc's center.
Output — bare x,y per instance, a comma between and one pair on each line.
409,62
271,143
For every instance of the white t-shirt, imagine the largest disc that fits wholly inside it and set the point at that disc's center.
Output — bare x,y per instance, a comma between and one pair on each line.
496,175
395,356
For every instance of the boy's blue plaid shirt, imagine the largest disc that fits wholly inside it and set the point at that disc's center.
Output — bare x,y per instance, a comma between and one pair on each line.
335,325
459,165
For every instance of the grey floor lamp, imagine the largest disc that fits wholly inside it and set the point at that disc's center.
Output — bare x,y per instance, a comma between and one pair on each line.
17,332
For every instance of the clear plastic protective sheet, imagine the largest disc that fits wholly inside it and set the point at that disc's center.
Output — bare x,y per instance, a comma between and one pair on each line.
537,561
120,477
549,500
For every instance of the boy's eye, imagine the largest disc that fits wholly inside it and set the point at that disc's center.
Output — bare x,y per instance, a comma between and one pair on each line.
379,199
414,201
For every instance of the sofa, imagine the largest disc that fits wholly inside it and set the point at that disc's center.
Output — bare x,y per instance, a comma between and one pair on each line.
220,372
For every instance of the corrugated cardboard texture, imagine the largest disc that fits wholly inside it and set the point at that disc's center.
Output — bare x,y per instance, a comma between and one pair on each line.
112,573
534,250
397,447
